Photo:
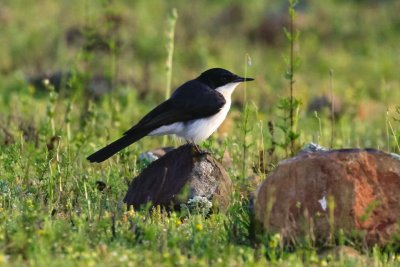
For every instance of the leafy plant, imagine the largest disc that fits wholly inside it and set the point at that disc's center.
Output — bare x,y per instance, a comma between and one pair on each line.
292,63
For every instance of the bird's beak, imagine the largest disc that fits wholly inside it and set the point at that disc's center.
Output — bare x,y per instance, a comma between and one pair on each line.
241,79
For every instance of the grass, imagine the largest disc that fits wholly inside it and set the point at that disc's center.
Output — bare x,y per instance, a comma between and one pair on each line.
51,210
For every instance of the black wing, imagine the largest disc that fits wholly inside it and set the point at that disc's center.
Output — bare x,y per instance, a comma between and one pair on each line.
192,100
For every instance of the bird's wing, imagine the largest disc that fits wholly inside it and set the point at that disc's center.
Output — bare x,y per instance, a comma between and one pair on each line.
192,100
197,100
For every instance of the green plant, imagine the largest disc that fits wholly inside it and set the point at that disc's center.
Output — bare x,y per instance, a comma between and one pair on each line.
292,63
396,134
286,107
245,127
332,111
289,107
51,106
172,18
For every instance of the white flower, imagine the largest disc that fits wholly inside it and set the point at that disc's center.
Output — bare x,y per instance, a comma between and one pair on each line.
199,204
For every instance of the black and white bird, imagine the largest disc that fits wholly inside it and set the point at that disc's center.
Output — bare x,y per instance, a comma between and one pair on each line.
194,111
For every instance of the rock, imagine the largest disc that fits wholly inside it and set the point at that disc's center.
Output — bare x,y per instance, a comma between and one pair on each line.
153,155
147,157
324,103
359,187
312,147
180,175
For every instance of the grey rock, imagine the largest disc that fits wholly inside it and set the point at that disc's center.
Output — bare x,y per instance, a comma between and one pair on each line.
153,155
147,157
180,175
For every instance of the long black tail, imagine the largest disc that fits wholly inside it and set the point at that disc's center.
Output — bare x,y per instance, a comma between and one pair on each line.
115,146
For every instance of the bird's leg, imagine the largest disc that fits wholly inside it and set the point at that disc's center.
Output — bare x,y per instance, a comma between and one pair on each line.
188,142
198,150
196,147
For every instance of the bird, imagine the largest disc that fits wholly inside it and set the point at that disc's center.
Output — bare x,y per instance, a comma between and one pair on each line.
194,112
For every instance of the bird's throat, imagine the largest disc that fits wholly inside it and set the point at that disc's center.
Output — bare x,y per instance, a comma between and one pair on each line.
227,90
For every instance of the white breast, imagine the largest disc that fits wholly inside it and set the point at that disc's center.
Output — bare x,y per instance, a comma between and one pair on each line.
200,129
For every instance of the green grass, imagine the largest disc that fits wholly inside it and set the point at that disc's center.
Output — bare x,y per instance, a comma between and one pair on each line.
51,212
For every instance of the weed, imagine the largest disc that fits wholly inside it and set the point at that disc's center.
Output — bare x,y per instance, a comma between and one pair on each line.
245,127
170,49
292,64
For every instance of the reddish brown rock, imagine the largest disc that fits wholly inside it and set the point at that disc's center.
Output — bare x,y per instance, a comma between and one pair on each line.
363,186
178,176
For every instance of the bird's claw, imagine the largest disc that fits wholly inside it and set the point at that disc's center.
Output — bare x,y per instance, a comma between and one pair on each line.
198,150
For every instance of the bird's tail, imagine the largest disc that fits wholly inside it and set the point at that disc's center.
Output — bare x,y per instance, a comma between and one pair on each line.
119,144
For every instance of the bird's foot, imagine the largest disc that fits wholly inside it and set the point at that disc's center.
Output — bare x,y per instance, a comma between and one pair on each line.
198,150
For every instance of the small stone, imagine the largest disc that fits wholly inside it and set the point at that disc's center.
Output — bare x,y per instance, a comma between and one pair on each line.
147,157
153,155
312,147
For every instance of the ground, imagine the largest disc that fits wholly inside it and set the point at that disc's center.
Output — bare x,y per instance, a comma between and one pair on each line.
108,65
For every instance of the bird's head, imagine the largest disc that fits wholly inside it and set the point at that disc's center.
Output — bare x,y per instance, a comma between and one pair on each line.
218,77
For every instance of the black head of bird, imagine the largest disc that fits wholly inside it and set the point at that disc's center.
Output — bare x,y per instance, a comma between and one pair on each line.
218,77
